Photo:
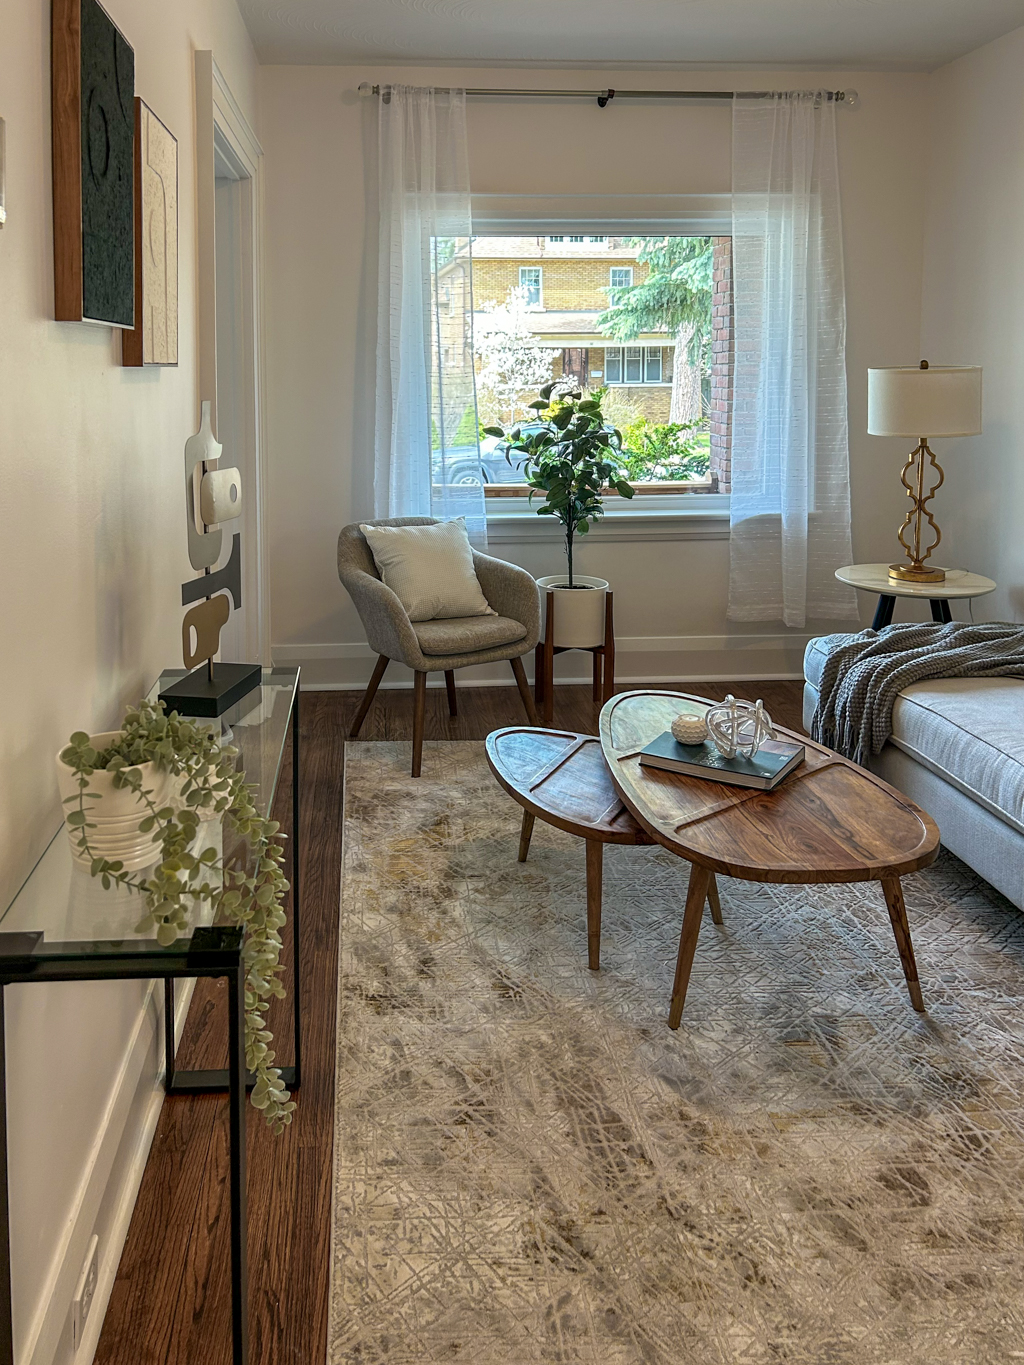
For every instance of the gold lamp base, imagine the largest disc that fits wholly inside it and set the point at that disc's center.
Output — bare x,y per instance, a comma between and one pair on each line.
915,570
916,573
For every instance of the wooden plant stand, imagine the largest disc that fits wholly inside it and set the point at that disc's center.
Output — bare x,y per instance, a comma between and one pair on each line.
544,665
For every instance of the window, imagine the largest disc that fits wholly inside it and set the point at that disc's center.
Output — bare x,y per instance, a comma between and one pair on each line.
546,325
633,365
530,283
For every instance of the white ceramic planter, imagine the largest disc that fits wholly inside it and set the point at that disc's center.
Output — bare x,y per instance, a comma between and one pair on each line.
118,812
579,611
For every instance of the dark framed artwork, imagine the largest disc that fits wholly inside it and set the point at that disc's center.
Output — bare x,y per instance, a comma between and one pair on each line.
155,338
93,93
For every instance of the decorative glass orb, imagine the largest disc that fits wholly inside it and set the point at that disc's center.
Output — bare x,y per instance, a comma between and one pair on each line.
689,729
739,727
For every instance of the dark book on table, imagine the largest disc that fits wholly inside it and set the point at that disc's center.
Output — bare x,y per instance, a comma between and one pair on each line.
773,761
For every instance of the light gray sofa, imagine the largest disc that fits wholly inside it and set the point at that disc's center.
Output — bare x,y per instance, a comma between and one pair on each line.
957,749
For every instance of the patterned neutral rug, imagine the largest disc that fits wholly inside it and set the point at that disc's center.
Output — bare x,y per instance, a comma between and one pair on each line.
530,1167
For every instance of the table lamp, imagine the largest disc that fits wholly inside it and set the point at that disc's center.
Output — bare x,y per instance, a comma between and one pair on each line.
941,400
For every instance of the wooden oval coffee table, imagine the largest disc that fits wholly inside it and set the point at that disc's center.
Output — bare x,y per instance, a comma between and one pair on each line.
829,821
561,777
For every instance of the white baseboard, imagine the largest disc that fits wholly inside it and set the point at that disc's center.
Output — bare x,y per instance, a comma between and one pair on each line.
643,660
108,1188
406,686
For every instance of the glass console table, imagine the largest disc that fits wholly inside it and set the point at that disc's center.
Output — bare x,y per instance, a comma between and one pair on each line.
63,926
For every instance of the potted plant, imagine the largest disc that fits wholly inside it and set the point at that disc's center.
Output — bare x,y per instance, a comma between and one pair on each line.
571,455
134,801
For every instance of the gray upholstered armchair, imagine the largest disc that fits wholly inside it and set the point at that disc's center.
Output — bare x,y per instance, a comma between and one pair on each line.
439,646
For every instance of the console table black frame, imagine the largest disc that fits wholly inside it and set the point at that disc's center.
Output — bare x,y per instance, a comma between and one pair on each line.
209,952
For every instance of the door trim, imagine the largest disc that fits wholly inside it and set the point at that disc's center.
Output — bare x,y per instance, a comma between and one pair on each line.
220,123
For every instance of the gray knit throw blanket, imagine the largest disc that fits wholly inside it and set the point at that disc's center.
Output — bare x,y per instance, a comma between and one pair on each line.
864,674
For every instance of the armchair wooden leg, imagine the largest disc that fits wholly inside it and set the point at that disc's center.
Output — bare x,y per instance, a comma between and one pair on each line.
419,704
524,690
449,682
369,694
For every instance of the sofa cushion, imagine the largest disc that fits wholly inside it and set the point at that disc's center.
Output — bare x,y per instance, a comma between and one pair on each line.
969,731
466,634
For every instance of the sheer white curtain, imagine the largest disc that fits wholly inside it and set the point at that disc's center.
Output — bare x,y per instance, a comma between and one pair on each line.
790,518
426,437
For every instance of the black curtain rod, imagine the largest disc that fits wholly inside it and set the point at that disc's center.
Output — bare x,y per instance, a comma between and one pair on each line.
604,97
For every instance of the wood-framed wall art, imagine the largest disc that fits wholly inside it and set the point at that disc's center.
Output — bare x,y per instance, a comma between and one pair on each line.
92,99
154,340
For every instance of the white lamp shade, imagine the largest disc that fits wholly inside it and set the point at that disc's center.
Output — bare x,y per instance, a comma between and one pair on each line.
944,400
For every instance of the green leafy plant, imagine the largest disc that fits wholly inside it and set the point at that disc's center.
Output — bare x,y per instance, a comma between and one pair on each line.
248,895
570,455
666,451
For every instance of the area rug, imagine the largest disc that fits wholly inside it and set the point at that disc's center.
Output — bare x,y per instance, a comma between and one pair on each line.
531,1167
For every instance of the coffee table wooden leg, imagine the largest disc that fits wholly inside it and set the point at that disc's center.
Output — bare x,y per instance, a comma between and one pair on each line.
595,870
713,901
526,835
901,929
696,895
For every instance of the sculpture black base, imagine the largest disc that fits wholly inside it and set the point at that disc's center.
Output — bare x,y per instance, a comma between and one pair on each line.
196,695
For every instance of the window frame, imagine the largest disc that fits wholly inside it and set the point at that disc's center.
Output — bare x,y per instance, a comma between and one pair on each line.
644,357
624,269
537,270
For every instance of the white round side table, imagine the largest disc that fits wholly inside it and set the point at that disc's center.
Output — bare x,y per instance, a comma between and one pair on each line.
875,578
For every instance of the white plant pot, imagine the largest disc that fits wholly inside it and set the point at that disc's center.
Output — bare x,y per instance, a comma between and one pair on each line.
579,611
118,811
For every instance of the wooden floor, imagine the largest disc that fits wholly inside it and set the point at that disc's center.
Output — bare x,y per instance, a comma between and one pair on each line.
170,1302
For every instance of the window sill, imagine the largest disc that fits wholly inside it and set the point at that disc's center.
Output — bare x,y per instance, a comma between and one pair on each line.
663,516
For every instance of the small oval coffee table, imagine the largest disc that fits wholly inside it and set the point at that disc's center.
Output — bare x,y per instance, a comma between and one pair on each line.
561,777
829,821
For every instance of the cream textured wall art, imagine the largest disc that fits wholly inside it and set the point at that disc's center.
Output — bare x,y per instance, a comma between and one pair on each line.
155,338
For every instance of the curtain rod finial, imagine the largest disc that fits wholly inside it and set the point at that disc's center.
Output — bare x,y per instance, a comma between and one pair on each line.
365,89
850,98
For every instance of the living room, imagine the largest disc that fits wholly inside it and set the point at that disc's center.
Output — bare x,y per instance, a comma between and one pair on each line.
495,1150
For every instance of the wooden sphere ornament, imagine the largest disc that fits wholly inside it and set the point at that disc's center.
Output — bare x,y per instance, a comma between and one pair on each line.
689,729
739,727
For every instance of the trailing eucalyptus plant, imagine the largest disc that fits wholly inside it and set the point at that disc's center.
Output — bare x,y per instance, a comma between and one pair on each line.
210,787
571,455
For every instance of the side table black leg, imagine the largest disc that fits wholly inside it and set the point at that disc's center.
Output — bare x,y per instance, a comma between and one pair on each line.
883,612
6,1310
296,964
239,1248
940,611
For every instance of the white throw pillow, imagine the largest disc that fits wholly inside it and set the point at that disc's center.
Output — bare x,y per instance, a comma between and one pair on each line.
429,569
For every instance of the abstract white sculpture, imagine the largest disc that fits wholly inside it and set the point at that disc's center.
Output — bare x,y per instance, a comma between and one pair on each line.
739,727
689,729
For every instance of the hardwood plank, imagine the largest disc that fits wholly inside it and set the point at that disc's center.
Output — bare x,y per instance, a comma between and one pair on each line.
170,1299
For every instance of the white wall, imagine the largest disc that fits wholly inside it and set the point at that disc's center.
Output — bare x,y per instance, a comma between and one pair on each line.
93,551
973,306
670,594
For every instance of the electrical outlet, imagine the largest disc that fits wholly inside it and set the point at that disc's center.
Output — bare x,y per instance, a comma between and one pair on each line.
85,1290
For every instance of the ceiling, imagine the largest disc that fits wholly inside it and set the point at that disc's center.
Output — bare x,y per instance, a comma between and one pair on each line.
886,34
